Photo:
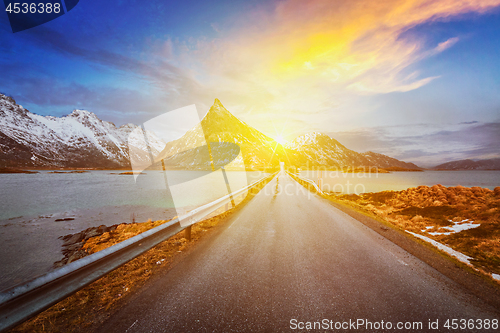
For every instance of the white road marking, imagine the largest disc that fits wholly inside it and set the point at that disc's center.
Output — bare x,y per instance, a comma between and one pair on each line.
132,325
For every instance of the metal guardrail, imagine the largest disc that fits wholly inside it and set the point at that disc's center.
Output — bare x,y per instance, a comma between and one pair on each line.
316,187
28,299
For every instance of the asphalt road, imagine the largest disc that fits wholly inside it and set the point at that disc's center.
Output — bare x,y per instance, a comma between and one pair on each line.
291,256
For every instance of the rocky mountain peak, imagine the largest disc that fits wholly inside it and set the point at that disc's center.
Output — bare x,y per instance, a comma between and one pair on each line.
218,119
313,138
7,98
8,103
128,127
79,139
217,103
217,110
78,113
468,164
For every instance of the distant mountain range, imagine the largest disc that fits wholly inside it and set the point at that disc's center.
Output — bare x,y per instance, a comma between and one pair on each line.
489,164
82,140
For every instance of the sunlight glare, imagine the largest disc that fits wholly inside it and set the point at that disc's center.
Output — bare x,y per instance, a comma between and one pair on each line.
279,139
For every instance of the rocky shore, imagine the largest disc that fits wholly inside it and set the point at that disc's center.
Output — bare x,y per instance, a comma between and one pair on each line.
72,248
94,239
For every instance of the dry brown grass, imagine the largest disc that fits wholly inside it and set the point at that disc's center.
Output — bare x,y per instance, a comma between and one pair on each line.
416,209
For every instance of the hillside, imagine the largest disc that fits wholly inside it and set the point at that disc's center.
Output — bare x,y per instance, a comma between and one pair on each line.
490,164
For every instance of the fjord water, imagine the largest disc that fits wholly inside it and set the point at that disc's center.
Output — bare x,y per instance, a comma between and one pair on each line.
49,193
348,183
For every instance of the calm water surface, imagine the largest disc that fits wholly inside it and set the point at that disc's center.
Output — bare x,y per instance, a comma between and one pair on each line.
49,193
348,183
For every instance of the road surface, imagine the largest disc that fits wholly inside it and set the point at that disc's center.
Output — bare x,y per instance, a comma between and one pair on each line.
288,258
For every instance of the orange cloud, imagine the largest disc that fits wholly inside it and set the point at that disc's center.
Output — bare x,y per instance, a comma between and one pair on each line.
345,40
312,55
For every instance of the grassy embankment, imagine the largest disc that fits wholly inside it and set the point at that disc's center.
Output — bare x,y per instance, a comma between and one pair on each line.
440,213
86,309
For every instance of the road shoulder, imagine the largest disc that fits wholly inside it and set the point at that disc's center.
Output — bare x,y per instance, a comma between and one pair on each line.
471,280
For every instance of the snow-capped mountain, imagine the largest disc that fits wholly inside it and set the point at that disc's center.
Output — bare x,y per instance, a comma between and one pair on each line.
82,140
220,126
318,149
78,140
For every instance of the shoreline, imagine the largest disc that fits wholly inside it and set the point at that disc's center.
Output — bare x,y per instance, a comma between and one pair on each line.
7,170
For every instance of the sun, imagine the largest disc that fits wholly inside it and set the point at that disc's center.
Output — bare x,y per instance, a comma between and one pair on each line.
279,139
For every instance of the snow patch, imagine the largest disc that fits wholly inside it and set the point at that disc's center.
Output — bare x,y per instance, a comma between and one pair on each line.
460,256
456,227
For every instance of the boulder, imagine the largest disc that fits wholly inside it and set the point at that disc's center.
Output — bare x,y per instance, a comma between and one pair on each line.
102,229
91,232
78,237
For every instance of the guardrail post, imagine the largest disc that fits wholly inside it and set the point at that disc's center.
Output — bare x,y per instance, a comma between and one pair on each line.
187,234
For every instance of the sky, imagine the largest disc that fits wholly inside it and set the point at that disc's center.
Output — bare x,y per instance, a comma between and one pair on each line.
418,80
